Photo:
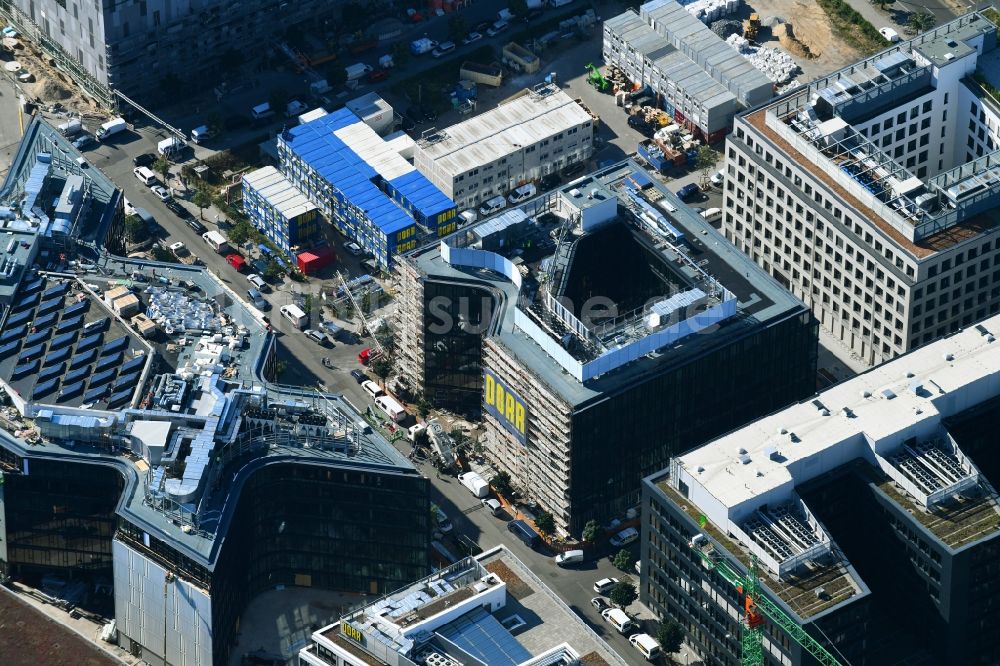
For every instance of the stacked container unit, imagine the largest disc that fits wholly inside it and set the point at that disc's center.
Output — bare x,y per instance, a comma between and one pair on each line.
370,193
279,209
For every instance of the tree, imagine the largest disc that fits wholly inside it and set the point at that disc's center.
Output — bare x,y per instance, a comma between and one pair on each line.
162,167
623,594
272,270
623,559
518,7
162,254
590,530
202,200
423,407
921,21
400,53
278,99
881,4
501,483
382,367
457,29
135,230
366,304
670,636
545,523
706,161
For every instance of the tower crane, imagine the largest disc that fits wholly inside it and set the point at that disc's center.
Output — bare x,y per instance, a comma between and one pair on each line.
757,608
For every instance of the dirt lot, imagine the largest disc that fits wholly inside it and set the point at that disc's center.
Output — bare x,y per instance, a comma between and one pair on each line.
49,86
28,638
811,27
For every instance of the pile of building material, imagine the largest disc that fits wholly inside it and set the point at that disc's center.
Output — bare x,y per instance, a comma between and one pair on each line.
707,11
725,27
582,22
175,312
775,64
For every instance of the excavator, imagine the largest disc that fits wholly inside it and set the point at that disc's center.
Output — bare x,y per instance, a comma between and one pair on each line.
751,26
595,79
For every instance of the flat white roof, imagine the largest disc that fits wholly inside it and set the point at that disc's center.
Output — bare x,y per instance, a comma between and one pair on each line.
373,149
904,398
279,192
489,136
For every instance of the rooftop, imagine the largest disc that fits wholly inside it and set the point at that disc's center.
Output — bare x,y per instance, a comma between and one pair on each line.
349,155
274,188
487,137
891,417
816,127
541,255
491,606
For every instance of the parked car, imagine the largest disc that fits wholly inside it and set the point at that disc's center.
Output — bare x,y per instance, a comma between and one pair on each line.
472,37
198,227
522,193
549,182
84,141
257,281
497,28
718,178
625,537
687,192
358,376
443,48
162,193
574,169
378,75
258,300
604,585
178,210
494,205
600,603
318,336
533,15
483,26
492,505
143,160
353,249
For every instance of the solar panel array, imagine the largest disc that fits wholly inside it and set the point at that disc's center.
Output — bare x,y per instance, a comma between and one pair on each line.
54,347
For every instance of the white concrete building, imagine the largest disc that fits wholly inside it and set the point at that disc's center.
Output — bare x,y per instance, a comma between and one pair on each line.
872,193
538,133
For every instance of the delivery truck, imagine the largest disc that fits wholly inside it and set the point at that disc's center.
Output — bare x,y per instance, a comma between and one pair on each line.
357,71
216,241
201,134
476,484
71,128
110,128
170,147
391,407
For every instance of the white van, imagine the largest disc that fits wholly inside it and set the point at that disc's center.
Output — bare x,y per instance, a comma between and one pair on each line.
294,314
494,205
145,176
261,111
522,193
391,407
617,618
569,557
371,388
712,214
645,644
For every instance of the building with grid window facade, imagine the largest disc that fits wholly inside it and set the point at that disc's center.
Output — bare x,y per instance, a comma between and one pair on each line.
279,210
875,496
598,331
872,194
538,133
363,186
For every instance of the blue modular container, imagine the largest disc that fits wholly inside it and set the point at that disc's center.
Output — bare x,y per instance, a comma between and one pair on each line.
19,318
50,305
58,290
70,390
44,388
86,358
94,394
58,356
32,286
25,303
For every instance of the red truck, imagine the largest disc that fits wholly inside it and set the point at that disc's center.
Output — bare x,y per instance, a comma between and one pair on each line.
236,261
364,356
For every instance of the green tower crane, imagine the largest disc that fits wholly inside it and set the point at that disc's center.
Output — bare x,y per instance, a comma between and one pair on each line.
596,79
757,607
